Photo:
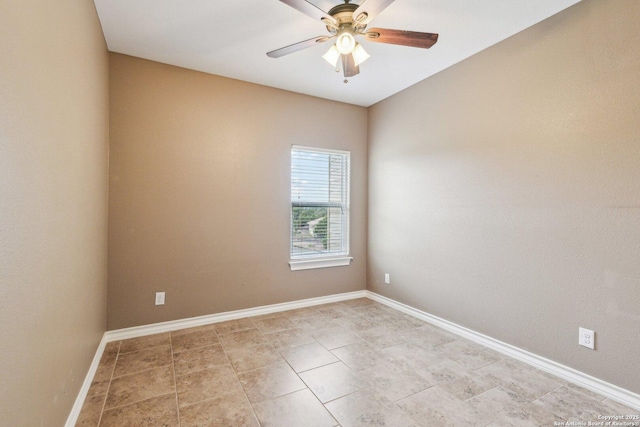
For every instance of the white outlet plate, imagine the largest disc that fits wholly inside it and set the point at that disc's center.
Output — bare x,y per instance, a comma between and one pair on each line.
159,298
586,338
387,279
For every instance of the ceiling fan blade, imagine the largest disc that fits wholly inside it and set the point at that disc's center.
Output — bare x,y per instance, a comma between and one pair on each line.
370,8
296,47
349,67
309,10
403,38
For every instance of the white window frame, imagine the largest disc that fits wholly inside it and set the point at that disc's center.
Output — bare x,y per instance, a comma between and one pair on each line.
324,260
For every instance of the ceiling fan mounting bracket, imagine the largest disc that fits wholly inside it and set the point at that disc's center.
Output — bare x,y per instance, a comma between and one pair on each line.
343,12
343,15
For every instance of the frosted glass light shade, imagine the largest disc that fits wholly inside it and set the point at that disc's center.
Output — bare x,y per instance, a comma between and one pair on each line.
332,56
359,55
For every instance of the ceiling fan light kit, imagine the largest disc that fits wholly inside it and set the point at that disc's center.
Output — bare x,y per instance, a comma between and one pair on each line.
344,23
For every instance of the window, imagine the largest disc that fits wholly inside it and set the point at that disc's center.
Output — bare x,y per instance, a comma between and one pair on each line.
319,208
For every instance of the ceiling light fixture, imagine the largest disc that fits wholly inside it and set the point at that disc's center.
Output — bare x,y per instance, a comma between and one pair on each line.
333,55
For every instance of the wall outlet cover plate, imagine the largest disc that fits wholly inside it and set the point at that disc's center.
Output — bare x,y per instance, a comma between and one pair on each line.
586,338
159,298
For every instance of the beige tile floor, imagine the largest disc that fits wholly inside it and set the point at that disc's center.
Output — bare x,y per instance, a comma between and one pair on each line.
353,363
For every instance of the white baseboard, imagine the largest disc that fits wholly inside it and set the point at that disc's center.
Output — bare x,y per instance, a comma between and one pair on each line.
86,384
571,375
174,325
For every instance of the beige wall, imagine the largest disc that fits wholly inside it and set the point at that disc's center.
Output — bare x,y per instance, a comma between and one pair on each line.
53,205
199,192
504,192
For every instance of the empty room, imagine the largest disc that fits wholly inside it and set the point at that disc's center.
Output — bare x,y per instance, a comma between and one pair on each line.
407,213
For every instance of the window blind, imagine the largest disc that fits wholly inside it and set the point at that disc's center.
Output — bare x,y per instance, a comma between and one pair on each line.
319,202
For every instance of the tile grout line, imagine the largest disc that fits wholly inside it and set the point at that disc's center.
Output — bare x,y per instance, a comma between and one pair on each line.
106,394
312,393
139,372
142,349
546,394
134,373
280,352
196,370
175,381
236,373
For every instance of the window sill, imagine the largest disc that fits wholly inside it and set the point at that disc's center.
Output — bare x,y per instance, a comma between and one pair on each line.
308,264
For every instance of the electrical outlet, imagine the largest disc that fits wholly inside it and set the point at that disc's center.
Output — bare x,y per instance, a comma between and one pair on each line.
586,338
159,298
387,279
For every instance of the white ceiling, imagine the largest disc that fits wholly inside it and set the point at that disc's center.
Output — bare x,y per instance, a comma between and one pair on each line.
230,38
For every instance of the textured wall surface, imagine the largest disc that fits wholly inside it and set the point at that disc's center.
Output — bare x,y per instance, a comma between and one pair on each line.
504,192
54,126
199,192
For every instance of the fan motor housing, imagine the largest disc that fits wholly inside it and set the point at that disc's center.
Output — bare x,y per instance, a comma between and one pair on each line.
343,13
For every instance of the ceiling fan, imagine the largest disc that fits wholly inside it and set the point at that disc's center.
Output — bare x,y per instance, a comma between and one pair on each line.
347,21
